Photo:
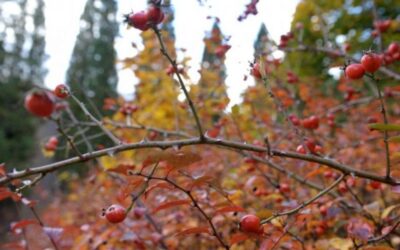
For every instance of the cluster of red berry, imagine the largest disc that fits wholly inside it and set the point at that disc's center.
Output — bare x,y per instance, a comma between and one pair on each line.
143,20
42,103
371,62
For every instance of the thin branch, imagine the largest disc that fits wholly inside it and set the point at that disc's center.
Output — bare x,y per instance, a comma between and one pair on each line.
195,204
386,121
99,124
42,225
230,145
305,204
181,83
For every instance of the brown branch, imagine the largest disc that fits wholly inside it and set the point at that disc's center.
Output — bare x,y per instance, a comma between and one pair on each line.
305,204
231,145
98,123
385,120
181,83
42,225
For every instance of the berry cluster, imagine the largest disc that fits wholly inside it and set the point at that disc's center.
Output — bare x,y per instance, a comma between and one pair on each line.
144,20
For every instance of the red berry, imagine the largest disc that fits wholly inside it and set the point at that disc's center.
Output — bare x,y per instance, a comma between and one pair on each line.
293,118
323,210
342,187
61,91
139,20
255,71
310,144
393,48
250,224
155,15
115,213
53,141
355,71
138,212
284,188
382,25
375,184
39,104
301,149
214,132
371,62
311,122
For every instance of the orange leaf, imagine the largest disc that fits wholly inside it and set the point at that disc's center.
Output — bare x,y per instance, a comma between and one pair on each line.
22,224
169,204
8,194
314,173
228,209
195,230
202,180
2,169
158,185
177,159
122,168
238,237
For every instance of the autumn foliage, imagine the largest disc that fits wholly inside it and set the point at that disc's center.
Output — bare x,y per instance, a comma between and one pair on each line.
305,161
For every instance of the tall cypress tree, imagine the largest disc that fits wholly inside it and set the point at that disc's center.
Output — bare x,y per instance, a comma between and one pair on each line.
92,75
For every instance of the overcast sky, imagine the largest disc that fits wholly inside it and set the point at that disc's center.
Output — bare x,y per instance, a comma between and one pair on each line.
191,23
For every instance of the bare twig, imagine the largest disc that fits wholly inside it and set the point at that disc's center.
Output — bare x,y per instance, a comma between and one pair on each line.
305,204
181,83
99,124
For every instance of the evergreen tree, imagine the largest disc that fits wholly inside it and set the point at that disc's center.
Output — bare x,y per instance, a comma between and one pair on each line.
22,55
92,75
210,93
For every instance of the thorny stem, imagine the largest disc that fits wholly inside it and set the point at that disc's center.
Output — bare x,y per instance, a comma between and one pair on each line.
305,204
181,83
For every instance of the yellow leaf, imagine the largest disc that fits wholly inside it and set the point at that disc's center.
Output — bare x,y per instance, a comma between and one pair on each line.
388,210
341,244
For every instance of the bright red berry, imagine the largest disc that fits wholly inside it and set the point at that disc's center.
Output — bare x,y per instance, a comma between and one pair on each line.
250,224
61,91
355,71
115,213
139,20
284,188
301,149
255,71
393,48
311,122
323,210
154,15
39,104
382,25
375,184
371,62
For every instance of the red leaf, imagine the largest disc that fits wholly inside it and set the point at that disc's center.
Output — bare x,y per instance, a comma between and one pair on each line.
8,194
158,185
22,224
195,230
12,246
2,169
238,237
169,204
229,209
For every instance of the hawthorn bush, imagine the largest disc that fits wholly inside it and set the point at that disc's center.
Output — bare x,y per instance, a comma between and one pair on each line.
306,161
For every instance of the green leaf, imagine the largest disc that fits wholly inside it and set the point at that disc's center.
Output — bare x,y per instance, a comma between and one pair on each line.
384,127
